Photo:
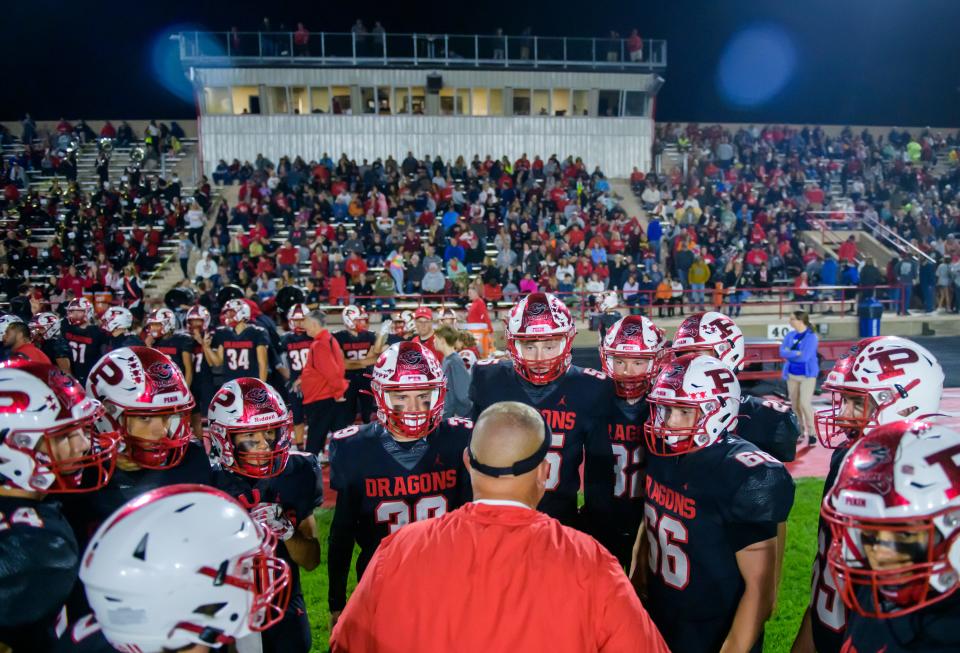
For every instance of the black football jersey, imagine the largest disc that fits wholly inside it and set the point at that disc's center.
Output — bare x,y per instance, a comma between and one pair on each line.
56,348
382,485
86,347
701,508
576,407
393,339
124,340
298,489
934,629
624,429
240,350
174,346
202,386
83,635
39,560
356,347
828,614
771,425
88,511
294,348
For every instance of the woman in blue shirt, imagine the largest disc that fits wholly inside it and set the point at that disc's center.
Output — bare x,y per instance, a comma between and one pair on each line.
800,370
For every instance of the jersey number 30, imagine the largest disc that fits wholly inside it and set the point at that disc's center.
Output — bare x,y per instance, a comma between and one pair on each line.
398,513
664,534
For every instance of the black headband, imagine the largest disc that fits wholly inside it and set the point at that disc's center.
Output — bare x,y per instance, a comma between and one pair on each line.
528,464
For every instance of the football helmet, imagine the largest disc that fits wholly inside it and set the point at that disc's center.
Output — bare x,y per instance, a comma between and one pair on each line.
141,382
893,378
714,334
469,358
540,316
80,312
403,367
449,317
44,326
116,317
898,490
6,321
691,381
243,406
634,337
406,324
190,564
355,318
161,323
234,312
39,407
295,317
197,319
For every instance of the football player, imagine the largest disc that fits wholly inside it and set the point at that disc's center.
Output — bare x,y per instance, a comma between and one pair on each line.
85,339
712,505
448,317
359,354
147,401
294,347
117,321
6,321
576,403
48,447
882,380
251,433
197,321
239,346
769,424
190,565
161,334
630,354
895,553
405,466
403,326
45,332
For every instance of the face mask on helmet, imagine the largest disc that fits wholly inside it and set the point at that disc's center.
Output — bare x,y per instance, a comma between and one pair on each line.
413,412
540,360
631,373
154,439
77,316
677,428
259,452
850,414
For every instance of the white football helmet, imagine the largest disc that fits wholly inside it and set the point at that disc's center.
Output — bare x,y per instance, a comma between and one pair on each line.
889,378
41,407
468,357
116,317
161,323
234,312
249,405
6,321
197,319
44,326
80,312
183,565
141,382
607,301
355,318
449,317
898,490
713,334
406,325
404,367
295,317
537,317
634,337
693,381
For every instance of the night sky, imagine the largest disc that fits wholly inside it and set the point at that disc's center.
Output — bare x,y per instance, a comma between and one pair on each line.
891,62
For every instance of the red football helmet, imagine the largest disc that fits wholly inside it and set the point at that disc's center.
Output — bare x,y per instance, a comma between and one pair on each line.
634,337
693,381
249,405
140,382
538,317
714,334
40,406
197,319
893,511
888,379
80,312
404,367
296,316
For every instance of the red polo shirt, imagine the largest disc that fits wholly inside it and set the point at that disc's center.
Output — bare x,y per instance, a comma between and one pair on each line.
30,352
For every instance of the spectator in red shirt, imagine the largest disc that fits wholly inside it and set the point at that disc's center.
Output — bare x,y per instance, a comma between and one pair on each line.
301,41
337,287
71,282
108,130
635,46
848,250
514,550
287,257
354,266
477,311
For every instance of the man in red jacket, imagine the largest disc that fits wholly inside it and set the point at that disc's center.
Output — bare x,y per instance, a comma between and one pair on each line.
519,557
323,383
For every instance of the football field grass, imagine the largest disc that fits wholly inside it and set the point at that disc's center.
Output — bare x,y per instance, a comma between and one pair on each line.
792,599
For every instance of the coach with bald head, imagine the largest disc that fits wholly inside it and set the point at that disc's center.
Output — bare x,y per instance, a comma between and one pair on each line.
496,574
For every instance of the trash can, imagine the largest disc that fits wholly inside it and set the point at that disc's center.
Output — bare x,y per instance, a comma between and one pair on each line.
870,311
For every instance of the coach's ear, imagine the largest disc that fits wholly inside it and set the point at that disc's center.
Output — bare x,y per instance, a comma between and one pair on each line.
466,459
